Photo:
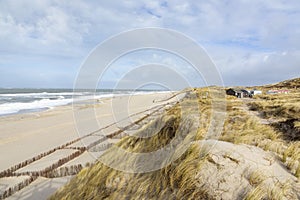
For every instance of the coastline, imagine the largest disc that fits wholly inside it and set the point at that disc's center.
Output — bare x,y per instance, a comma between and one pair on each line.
24,136
76,98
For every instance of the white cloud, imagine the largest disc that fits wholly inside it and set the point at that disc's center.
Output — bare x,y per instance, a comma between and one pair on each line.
254,68
239,35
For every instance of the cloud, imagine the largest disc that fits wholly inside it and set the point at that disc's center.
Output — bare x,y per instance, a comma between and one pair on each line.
240,36
257,68
44,28
145,64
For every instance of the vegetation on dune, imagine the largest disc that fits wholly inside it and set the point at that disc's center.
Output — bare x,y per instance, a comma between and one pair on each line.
285,106
177,179
284,112
100,181
240,127
289,84
173,180
279,191
284,109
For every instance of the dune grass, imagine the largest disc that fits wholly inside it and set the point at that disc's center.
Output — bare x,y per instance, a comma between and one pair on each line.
176,180
277,191
258,192
285,109
173,180
257,177
240,127
292,84
100,182
284,106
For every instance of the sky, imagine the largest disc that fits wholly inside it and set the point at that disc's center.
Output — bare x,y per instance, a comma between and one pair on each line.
43,44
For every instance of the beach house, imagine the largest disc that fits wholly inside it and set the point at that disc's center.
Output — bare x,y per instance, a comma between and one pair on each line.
240,93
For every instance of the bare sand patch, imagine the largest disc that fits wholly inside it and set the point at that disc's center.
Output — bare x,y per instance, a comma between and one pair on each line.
85,142
40,189
7,182
233,171
47,161
83,159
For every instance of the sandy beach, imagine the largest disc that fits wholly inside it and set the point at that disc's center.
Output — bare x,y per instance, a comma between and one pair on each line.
37,143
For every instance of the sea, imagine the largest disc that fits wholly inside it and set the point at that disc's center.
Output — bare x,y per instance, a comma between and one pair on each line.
16,101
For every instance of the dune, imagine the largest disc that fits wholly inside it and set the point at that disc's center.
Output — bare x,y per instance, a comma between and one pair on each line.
244,159
248,160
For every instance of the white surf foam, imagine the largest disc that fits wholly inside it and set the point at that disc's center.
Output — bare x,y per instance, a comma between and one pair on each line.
11,108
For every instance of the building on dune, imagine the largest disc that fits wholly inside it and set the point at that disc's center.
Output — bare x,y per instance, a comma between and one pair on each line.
240,93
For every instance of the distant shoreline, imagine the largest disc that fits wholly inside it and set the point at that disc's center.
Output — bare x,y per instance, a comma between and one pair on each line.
22,101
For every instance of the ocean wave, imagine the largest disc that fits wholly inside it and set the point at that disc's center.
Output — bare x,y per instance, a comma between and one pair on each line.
11,108
16,103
